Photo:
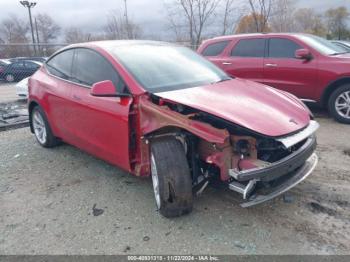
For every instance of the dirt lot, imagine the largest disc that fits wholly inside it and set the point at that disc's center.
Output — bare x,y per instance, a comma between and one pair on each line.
7,92
63,201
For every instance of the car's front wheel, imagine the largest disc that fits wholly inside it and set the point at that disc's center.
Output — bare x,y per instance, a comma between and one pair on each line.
171,177
41,128
10,78
339,104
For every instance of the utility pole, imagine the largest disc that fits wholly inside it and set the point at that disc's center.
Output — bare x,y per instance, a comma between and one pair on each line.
37,36
30,5
127,19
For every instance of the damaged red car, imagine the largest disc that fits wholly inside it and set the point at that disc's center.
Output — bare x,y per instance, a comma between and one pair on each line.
161,110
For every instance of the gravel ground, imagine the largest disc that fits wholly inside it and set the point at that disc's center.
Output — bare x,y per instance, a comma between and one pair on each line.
64,201
7,92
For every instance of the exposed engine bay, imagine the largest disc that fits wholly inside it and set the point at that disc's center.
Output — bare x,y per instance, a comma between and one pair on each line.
247,161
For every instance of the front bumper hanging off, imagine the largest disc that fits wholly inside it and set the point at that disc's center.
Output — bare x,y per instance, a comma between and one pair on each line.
281,175
298,176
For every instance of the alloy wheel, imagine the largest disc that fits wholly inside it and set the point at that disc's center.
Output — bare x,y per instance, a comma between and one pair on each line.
342,104
39,127
10,78
155,181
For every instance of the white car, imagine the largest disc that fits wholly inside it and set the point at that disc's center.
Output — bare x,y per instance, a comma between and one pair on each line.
22,88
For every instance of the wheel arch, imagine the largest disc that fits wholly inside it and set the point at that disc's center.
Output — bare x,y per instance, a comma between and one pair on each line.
31,106
171,131
332,87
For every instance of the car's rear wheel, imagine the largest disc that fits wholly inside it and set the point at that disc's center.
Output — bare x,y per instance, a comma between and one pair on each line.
41,128
9,78
339,104
171,177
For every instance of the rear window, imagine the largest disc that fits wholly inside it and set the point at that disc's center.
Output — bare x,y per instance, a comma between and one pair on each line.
61,64
249,48
215,49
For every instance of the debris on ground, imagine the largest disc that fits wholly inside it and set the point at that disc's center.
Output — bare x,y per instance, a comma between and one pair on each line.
288,198
97,211
13,115
146,238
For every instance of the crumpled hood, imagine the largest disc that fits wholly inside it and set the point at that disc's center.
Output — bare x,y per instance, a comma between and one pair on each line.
257,107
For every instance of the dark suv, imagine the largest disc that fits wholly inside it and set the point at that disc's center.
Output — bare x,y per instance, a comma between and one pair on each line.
310,67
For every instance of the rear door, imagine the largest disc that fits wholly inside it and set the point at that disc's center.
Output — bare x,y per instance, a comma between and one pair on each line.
56,88
245,59
283,71
213,51
99,125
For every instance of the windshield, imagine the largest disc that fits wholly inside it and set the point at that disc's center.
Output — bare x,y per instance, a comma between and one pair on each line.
161,68
322,45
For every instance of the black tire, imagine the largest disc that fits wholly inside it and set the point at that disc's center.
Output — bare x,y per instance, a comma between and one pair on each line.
50,140
175,182
10,78
332,104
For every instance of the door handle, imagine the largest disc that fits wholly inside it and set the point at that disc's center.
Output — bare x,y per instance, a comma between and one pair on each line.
271,65
226,63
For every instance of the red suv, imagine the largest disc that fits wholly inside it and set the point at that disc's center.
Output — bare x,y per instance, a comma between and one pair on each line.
159,110
307,66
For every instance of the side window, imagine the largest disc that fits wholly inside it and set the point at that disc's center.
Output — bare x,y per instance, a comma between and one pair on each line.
18,65
249,48
282,48
90,67
61,64
31,65
215,49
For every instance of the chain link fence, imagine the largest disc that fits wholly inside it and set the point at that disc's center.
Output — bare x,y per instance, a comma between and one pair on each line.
19,61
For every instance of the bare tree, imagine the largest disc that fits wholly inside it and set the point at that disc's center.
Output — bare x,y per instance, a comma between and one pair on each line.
247,24
308,21
261,11
232,13
76,35
119,28
48,29
174,25
196,13
282,18
337,21
14,30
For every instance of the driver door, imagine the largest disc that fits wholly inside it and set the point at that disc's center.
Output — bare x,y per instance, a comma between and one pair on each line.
283,71
98,125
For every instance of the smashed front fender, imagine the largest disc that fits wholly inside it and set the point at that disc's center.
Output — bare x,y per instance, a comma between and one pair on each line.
154,117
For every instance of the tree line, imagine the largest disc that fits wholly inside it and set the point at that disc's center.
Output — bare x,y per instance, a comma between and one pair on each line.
188,21
195,20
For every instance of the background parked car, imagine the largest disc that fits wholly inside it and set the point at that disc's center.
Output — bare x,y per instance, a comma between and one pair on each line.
343,44
310,67
22,88
35,58
3,64
19,70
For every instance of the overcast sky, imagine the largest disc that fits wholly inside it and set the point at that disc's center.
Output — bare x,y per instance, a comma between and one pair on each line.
91,14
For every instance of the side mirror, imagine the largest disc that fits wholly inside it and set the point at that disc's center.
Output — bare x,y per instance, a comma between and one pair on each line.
303,54
105,89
